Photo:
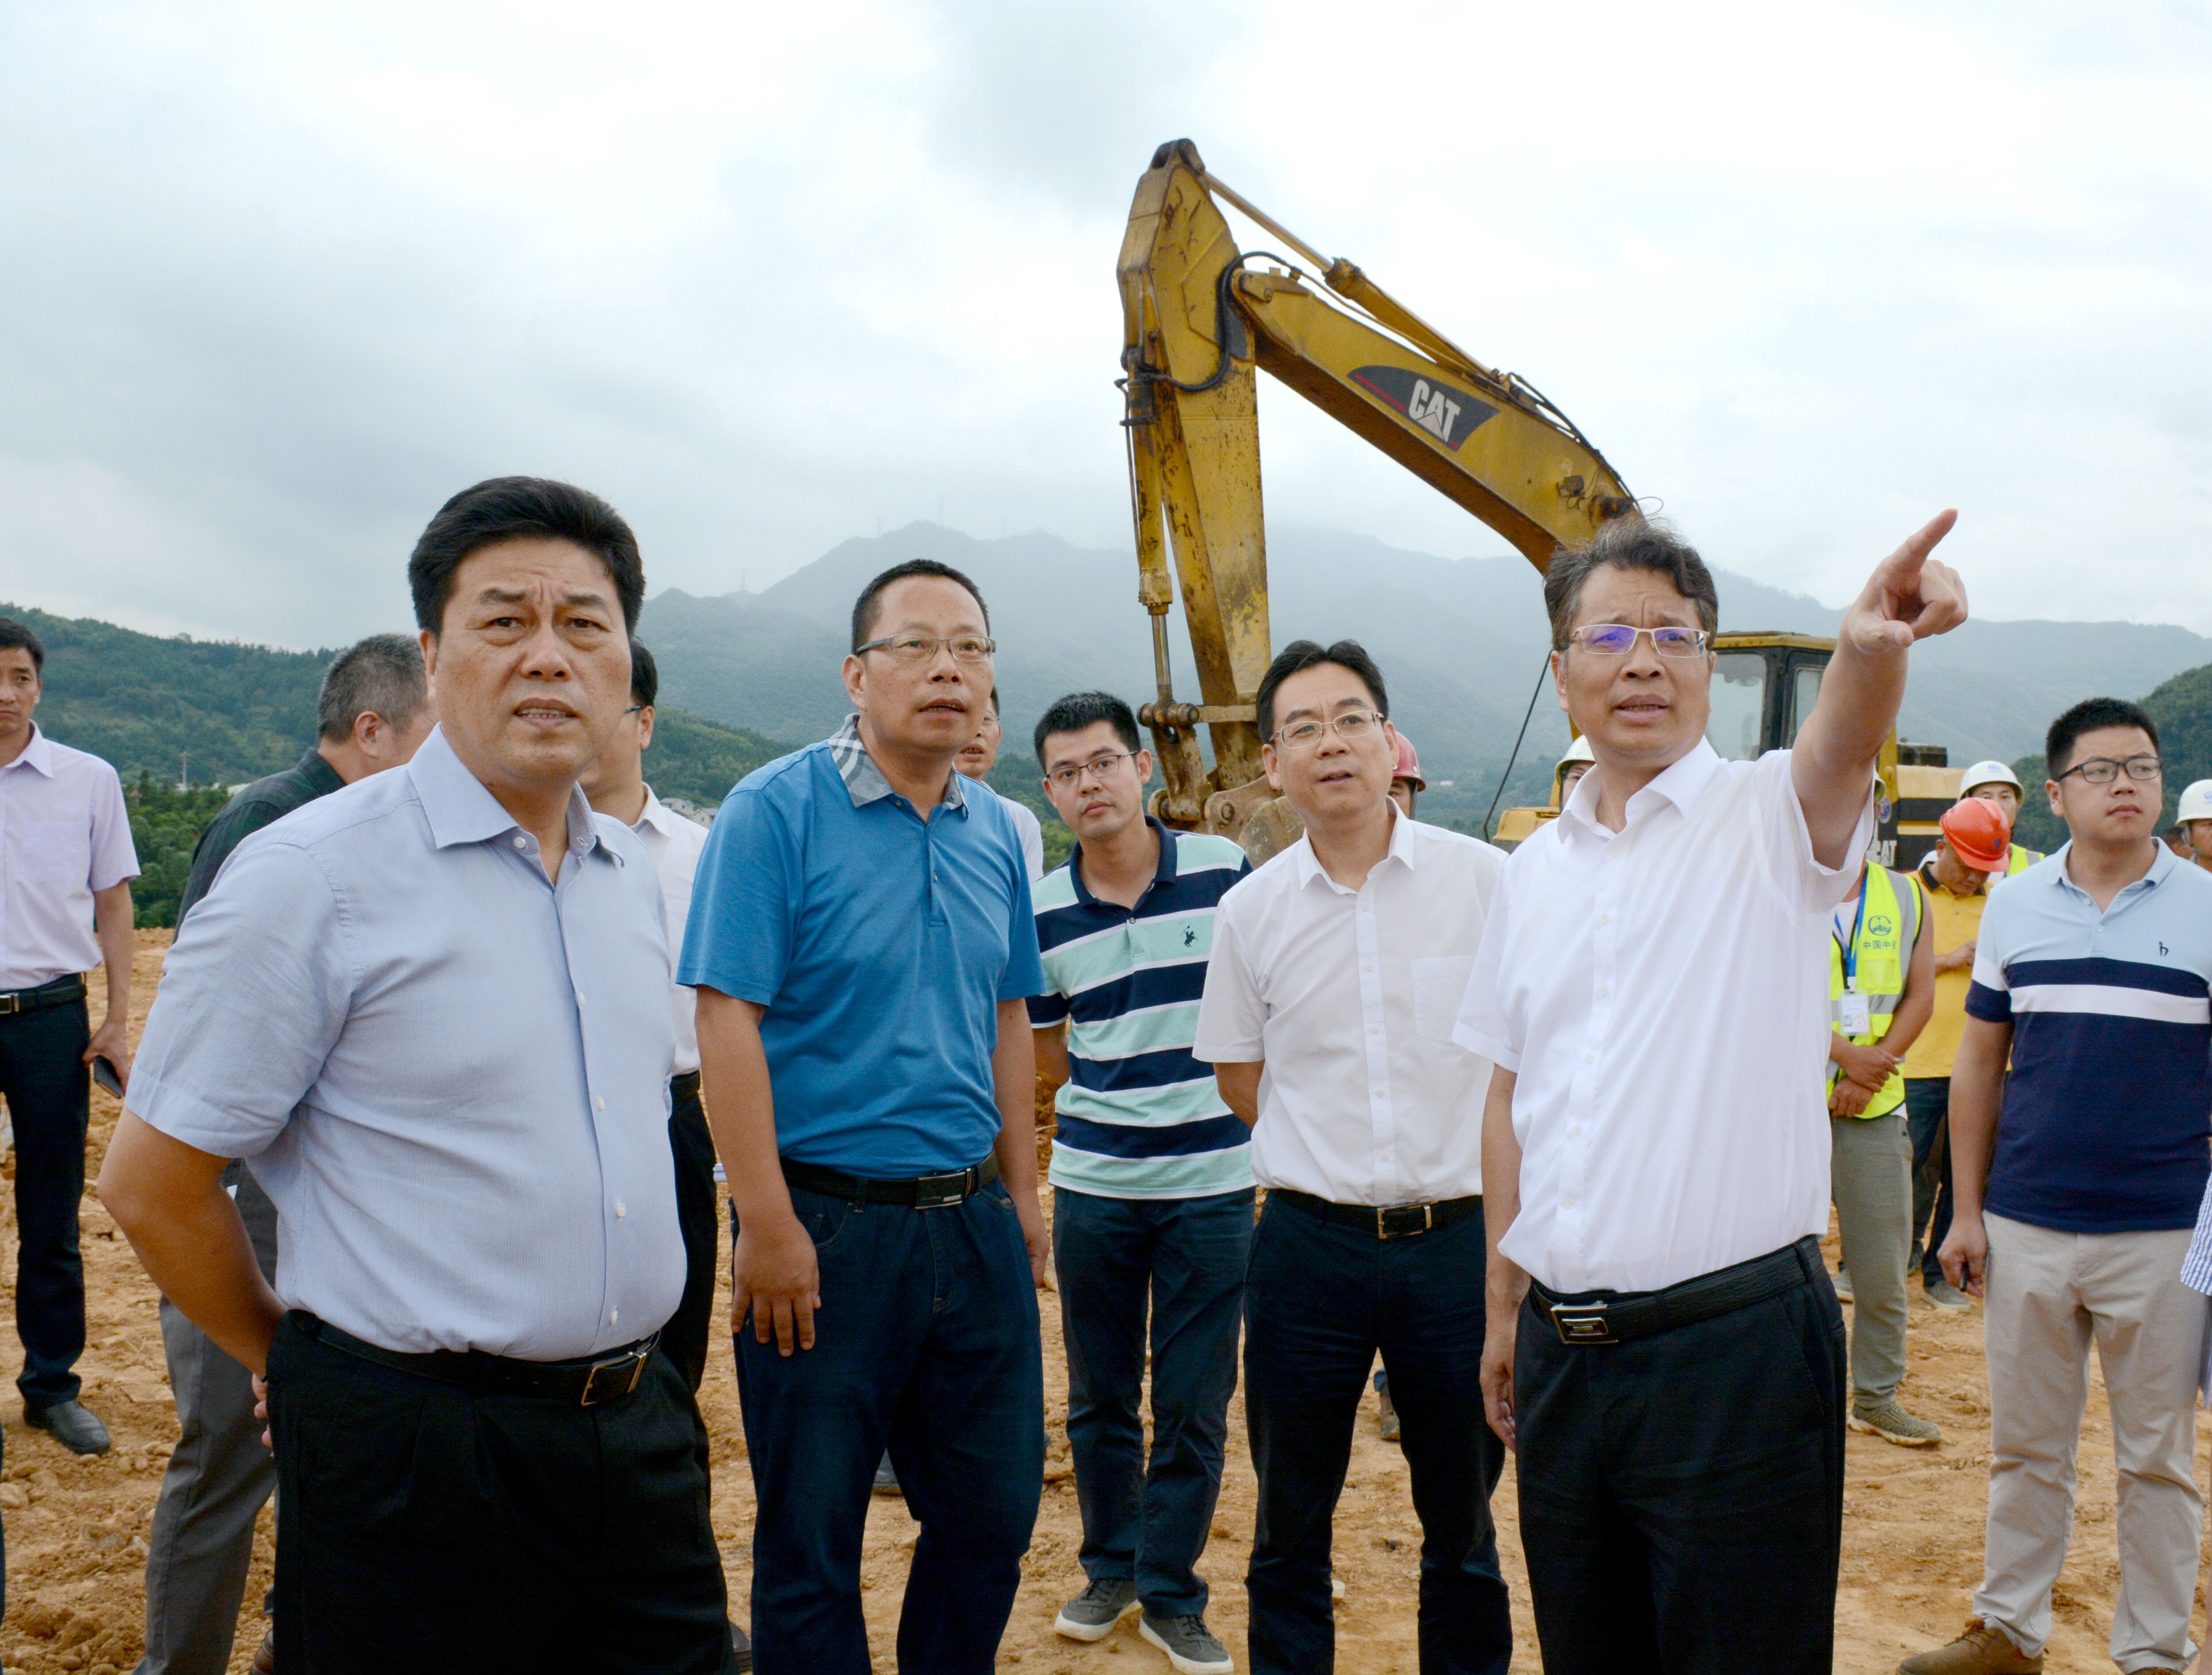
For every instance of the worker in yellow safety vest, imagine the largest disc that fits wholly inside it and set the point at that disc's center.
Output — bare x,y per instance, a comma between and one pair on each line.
1882,989
1995,783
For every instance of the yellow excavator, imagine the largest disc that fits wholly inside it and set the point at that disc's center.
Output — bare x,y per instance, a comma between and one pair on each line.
1200,315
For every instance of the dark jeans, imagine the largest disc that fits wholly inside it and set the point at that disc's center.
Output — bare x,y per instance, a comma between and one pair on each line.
1927,1112
49,1093
1144,1520
426,1526
1682,1495
699,1212
927,1340
1320,1300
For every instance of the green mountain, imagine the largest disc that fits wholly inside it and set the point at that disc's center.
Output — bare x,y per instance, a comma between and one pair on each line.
214,715
2182,707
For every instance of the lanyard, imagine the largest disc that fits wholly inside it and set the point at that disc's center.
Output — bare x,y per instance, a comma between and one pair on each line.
1851,948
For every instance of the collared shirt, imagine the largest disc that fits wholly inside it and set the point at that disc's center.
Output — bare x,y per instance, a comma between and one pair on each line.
452,1077
1349,997
1662,995
64,833
251,808
880,944
1954,921
1138,1117
1031,830
675,844
2107,1124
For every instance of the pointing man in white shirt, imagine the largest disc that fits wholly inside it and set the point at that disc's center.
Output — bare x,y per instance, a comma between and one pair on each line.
1653,989
1337,971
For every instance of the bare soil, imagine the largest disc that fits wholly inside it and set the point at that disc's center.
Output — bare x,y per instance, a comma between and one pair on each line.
1913,1535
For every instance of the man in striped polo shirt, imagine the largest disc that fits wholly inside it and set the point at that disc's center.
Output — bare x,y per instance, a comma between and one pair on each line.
2093,972
1152,1179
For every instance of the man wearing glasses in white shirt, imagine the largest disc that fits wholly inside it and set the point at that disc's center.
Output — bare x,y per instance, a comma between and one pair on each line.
1337,971
1665,1350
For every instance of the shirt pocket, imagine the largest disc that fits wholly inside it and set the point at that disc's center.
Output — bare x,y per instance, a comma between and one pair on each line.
1439,989
57,852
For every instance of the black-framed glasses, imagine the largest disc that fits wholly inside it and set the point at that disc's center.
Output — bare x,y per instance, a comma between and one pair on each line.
1352,725
1099,767
1617,639
633,709
2103,771
921,648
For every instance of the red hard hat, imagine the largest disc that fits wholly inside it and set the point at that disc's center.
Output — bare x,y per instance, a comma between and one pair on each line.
1409,764
1980,834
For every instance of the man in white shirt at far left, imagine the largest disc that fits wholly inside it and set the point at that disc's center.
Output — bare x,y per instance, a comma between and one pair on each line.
1337,971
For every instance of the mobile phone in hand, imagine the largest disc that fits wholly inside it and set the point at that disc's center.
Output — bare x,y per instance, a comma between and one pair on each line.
105,1073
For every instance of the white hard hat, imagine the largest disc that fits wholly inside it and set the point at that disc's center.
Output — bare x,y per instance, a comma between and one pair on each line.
1990,773
1577,752
2197,801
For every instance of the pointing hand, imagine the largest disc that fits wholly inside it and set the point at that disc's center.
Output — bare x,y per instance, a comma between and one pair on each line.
1910,596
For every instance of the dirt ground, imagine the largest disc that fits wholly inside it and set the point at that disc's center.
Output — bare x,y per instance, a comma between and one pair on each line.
1913,1535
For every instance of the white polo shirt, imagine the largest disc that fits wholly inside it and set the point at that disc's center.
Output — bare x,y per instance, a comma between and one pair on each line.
1662,995
674,843
64,833
1350,998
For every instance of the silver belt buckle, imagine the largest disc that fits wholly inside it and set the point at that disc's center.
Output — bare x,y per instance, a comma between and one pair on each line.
942,1191
11,1005
595,1393
1583,1323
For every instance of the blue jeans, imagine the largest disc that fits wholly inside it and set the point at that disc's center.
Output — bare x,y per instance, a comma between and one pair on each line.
1927,1113
1320,1300
1147,1520
927,1340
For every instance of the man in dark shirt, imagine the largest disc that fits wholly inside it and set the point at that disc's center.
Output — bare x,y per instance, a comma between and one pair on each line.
375,708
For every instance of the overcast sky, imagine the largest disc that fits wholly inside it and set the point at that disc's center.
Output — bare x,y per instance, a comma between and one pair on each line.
274,280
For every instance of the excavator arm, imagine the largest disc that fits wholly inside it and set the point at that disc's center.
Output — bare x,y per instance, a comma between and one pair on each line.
1198,321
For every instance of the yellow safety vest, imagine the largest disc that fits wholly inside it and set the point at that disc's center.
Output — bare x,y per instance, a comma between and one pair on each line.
2020,860
1886,932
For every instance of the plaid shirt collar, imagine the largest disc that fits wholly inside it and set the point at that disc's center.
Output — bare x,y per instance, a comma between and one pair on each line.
864,780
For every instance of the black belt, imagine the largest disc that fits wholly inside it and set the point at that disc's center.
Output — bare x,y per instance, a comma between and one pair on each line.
60,992
1612,1316
682,1087
922,1192
1388,1222
588,1382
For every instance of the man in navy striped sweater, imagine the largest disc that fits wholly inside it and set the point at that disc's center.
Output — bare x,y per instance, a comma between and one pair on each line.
1151,1179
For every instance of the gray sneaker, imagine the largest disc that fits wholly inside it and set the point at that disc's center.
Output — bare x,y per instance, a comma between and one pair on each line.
1189,1647
1944,1295
1891,1423
1092,1613
1844,1285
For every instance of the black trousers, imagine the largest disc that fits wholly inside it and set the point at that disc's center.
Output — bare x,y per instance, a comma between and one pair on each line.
699,1212
1320,1300
426,1526
1682,1495
49,1092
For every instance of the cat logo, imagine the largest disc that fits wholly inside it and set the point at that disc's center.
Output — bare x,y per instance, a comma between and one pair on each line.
1450,416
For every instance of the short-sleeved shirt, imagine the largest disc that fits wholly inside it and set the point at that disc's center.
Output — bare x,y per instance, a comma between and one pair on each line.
1027,827
1138,1117
64,834
2107,1122
450,1074
675,841
880,944
1662,995
1953,921
251,808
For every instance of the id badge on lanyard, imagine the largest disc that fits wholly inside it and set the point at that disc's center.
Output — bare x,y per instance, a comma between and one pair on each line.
1856,1011
1857,1015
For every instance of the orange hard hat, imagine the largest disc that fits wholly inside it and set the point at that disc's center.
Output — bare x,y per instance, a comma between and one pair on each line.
1409,764
1978,834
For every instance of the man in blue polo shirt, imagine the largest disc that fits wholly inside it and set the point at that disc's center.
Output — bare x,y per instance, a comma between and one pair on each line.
862,941
1151,1177
2093,972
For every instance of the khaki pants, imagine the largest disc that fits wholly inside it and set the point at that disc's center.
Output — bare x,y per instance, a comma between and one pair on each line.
2048,1295
1870,1168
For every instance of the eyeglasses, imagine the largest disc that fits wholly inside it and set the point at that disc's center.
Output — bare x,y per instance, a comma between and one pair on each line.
2103,771
1617,639
1352,725
1099,767
633,709
921,648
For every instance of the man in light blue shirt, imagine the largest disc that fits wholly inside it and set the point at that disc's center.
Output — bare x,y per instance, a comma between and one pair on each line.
862,943
433,1009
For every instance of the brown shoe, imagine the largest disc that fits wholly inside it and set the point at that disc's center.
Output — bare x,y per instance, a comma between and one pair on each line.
1982,1648
264,1655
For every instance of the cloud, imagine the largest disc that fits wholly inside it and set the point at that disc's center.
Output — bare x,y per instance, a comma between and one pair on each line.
280,280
